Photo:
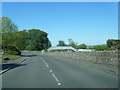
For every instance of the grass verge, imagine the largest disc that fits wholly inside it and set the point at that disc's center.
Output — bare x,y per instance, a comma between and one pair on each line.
11,57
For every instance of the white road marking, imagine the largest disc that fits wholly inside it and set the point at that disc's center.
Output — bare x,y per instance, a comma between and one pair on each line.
59,84
46,64
44,61
53,75
56,79
51,72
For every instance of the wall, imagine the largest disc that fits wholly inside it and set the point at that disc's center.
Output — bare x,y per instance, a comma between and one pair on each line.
98,57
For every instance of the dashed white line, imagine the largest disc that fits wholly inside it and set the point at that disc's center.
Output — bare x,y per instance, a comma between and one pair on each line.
59,84
44,61
56,79
46,64
53,75
51,72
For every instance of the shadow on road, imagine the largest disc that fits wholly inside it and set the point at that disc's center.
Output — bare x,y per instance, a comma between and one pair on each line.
14,65
28,55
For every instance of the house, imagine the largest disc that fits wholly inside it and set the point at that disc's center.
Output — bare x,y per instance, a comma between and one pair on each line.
62,48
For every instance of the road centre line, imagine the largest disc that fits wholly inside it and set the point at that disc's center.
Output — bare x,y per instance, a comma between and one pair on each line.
53,75
43,60
46,64
59,84
56,79
51,72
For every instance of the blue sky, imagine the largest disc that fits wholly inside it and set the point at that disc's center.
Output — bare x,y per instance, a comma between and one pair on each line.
91,23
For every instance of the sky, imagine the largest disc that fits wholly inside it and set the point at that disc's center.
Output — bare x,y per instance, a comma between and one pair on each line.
91,23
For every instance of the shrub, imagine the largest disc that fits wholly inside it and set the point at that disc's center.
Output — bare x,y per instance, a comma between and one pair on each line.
11,50
101,47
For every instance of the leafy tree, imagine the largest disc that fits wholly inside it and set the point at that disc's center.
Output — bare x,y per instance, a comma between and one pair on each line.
82,46
12,39
38,40
72,43
101,47
8,26
49,44
21,39
61,43
113,44
7,30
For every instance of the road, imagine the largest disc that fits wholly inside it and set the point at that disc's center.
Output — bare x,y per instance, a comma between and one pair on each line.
42,71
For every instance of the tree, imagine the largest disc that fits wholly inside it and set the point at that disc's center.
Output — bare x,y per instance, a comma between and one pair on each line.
101,47
113,44
21,39
12,39
61,43
8,26
82,46
38,40
72,43
7,30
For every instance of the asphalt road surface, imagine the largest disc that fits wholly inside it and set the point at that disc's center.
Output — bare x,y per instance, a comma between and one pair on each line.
40,71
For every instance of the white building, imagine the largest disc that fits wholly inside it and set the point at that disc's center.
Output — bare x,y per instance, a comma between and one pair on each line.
68,48
84,50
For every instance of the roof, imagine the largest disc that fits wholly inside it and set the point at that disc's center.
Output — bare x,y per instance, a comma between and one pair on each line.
62,48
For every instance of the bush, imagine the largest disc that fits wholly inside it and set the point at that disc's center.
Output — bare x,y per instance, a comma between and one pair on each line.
7,48
11,50
101,47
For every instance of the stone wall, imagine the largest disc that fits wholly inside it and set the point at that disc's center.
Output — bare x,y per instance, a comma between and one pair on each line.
98,57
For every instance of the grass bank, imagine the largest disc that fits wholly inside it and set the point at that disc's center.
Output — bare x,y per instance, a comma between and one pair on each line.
11,57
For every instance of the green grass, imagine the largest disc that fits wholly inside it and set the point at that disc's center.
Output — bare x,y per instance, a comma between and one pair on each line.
38,52
11,57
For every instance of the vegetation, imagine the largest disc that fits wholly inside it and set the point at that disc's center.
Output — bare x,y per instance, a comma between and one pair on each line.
8,38
113,44
101,47
13,40
61,43
73,44
82,46
8,26
11,57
